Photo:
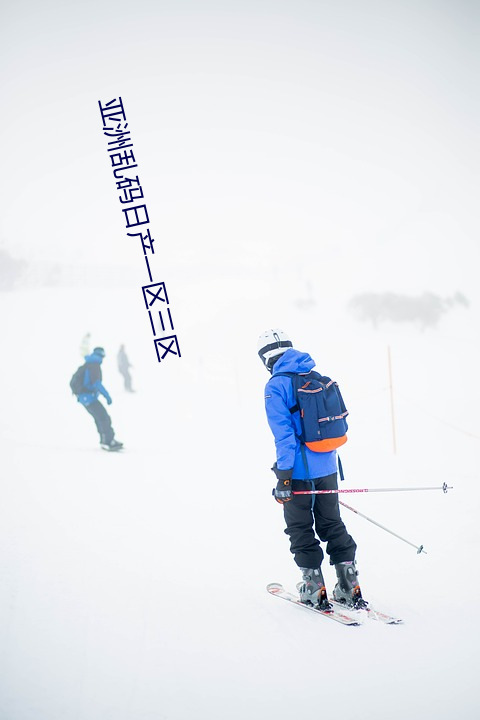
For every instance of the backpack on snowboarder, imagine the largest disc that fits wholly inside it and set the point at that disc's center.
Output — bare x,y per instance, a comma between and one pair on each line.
322,411
77,385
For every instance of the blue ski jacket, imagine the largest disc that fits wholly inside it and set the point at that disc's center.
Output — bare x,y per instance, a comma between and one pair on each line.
285,426
93,381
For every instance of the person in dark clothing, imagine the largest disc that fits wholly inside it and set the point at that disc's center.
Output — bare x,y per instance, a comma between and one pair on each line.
92,388
309,518
123,366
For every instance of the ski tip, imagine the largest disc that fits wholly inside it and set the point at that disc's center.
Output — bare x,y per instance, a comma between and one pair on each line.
383,617
274,587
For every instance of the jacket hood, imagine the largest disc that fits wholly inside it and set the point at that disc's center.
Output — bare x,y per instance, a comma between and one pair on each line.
93,358
293,361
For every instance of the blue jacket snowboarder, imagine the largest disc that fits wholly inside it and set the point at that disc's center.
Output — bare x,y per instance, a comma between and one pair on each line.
88,397
309,518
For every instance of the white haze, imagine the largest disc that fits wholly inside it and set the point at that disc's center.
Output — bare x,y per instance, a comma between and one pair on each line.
133,585
291,155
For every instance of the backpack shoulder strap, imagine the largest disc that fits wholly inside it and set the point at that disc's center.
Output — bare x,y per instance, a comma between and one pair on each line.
86,376
293,377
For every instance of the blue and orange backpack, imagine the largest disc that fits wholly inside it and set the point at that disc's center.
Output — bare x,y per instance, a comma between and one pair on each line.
322,410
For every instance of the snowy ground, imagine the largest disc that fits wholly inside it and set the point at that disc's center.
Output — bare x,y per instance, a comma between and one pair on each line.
289,152
133,585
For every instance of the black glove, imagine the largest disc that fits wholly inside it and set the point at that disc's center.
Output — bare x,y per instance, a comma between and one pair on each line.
283,492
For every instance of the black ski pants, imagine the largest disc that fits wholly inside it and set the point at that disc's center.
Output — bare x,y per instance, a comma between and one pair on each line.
102,421
310,517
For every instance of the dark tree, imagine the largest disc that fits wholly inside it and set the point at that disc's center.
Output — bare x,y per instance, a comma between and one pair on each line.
426,309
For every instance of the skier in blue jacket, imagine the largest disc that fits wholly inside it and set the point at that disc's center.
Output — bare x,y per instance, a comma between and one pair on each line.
308,518
92,388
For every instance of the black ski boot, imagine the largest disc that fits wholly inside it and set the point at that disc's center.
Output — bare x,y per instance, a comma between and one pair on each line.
347,590
312,589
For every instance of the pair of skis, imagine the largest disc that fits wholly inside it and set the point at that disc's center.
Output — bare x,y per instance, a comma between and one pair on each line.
338,613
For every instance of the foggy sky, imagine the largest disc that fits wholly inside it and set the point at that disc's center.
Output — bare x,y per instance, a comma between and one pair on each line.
348,128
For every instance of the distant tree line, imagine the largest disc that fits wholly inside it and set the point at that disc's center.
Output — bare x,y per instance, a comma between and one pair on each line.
426,309
11,270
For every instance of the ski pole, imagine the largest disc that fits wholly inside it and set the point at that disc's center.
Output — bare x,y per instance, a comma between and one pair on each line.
443,487
419,548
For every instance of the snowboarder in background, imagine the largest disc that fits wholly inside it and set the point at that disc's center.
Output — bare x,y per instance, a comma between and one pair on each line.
87,386
123,366
85,345
308,518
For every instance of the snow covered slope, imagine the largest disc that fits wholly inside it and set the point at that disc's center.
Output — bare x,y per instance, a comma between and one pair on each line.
291,155
133,585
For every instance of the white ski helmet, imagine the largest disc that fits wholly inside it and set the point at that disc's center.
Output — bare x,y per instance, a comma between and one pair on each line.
271,344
